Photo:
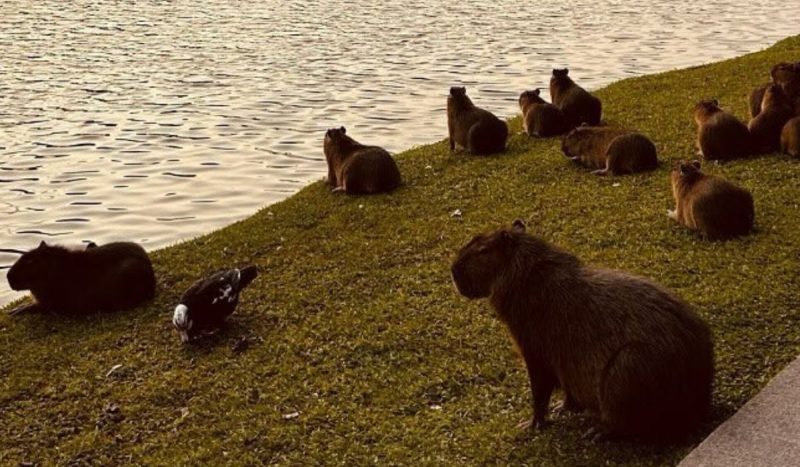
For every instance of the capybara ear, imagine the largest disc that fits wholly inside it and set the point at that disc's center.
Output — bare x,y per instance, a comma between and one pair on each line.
715,102
518,226
696,164
43,244
343,130
537,91
566,71
685,169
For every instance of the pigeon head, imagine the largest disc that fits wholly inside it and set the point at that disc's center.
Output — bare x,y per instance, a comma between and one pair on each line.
182,322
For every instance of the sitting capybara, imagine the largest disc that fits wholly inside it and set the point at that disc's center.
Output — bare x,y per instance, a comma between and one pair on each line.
765,129
357,169
613,151
787,76
472,128
720,135
66,281
575,102
790,137
710,205
540,118
624,348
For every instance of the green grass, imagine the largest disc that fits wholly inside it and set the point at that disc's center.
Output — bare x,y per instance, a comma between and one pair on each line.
357,327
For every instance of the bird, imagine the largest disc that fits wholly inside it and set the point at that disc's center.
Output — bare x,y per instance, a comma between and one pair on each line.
206,305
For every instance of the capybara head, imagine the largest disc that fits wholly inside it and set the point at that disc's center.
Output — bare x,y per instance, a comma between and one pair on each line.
560,72
481,261
530,97
34,267
706,108
686,172
571,142
783,71
774,96
335,133
458,91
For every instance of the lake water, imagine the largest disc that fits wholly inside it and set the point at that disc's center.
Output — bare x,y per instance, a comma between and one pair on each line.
156,121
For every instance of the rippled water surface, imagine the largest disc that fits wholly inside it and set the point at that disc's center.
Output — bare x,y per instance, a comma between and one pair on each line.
155,121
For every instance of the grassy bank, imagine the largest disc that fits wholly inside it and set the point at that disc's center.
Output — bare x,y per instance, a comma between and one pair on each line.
361,351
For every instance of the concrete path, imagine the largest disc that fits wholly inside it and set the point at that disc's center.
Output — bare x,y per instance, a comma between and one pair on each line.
764,433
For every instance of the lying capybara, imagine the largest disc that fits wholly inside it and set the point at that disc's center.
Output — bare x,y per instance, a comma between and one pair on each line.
626,349
540,118
613,151
720,135
790,137
472,128
357,169
711,205
66,281
575,102
765,129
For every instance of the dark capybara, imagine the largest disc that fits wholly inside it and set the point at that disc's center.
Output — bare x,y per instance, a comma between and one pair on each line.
612,151
710,205
540,118
470,127
720,135
357,169
765,129
790,137
65,281
577,104
626,349
785,75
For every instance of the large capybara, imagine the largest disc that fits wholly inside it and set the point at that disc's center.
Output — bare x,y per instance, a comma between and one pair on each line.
612,151
470,127
67,281
540,118
720,135
577,104
765,129
790,137
357,169
713,206
626,349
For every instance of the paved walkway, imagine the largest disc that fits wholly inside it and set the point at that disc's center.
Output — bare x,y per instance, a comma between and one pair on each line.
763,433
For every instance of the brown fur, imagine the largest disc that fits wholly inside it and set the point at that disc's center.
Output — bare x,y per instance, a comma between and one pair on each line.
790,137
787,76
540,118
754,101
710,205
765,129
577,104
613,151
358,169
720,135
628,350
472,128
66,281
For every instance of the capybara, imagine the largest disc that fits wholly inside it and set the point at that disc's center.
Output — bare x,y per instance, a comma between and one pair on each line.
790,137
612,151
577,104
540,118
720,135
787,76
357,169
711,205
765,129
626,349
472,128
67,281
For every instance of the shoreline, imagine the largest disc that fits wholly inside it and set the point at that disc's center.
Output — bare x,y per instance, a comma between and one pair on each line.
356,328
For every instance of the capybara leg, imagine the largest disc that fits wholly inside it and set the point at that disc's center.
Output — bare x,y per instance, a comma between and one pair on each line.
602,172
31,308
569,404
338,189
542,382
452,144
575,159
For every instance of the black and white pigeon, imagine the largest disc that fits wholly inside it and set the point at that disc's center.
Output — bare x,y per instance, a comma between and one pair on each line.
206,305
